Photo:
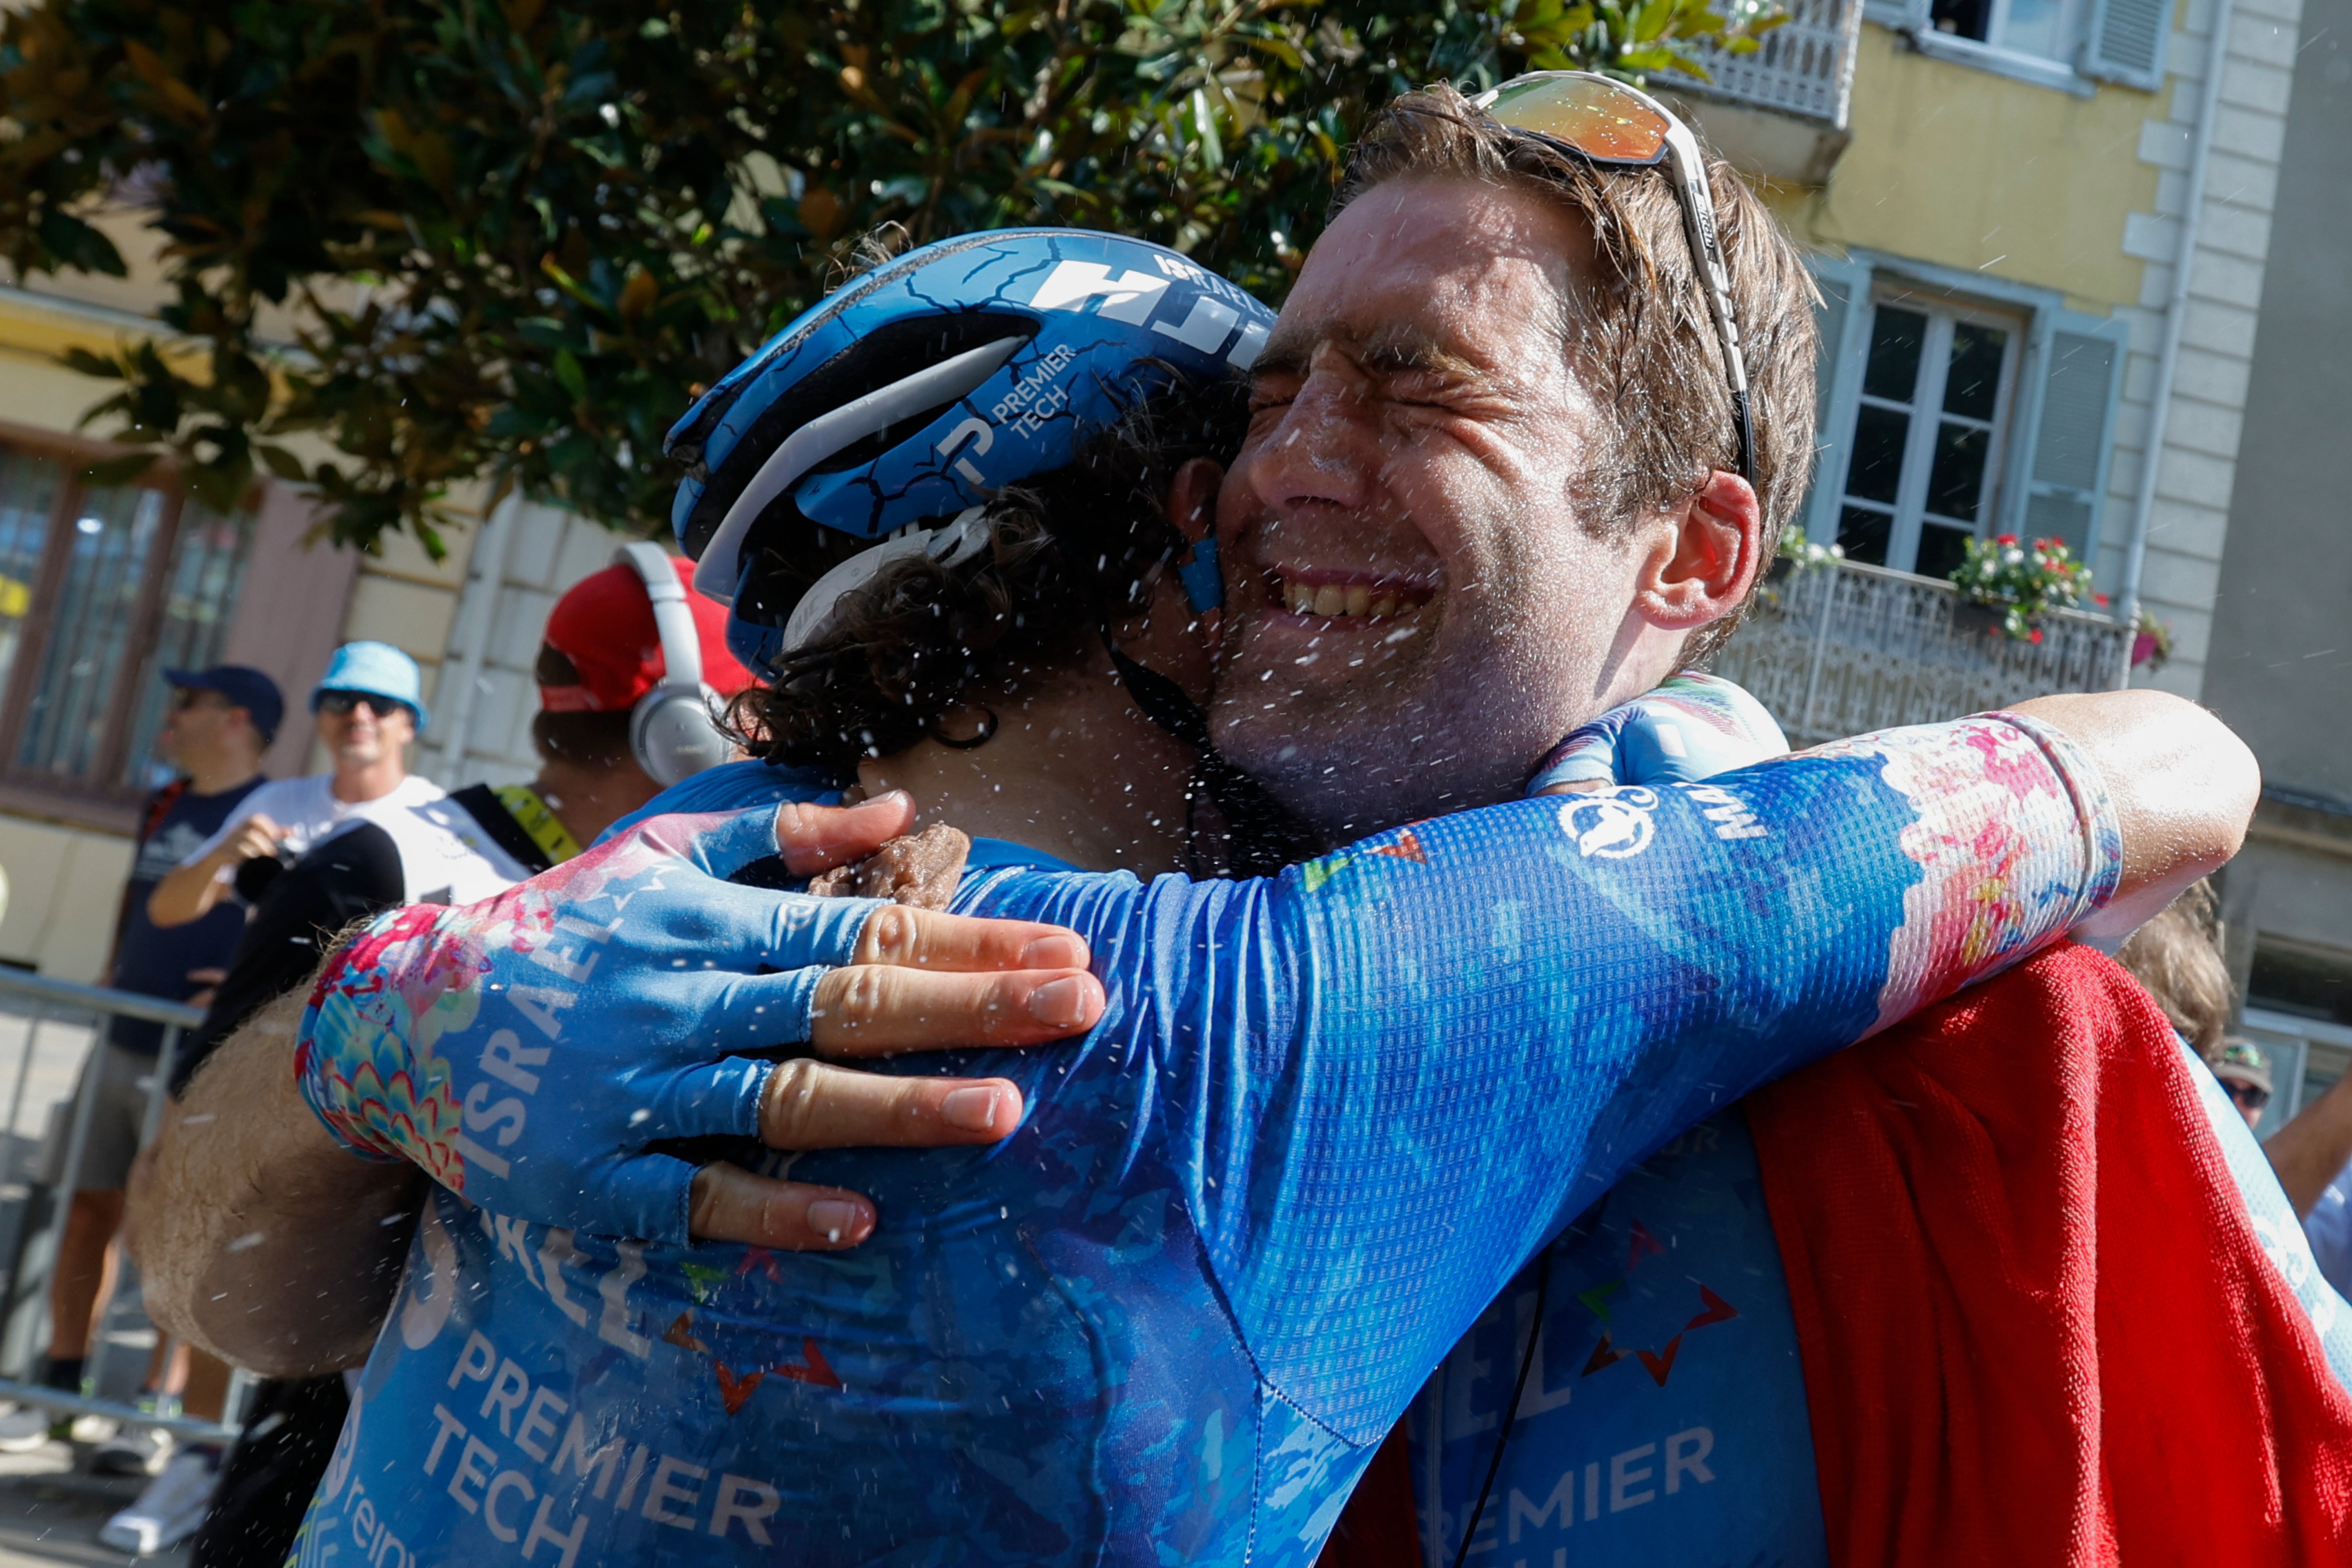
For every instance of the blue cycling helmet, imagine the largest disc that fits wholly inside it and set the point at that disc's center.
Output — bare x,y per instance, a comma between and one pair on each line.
919,389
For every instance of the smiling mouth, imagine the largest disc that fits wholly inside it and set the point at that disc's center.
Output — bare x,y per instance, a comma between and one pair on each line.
1335,598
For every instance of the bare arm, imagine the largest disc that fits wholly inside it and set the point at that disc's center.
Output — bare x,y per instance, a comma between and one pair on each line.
2183,787
259,1236
190,893
2312,1151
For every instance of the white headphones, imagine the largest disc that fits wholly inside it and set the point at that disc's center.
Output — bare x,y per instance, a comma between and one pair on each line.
674,731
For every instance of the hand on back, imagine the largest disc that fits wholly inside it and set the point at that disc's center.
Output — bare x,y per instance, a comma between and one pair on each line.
533,1051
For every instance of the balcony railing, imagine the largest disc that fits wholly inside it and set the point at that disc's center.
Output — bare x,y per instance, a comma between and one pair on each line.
1805,68
1843,649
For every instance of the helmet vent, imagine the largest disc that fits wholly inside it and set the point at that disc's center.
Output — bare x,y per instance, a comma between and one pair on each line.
889,353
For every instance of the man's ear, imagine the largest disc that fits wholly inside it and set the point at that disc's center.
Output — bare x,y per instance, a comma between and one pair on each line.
1701,570
1192,499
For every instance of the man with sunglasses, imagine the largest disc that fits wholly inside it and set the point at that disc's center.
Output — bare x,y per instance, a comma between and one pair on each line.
219,724
370,706
2245,1077
1547,492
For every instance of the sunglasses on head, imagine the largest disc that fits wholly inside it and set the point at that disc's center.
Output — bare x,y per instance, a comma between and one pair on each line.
1610,125
2245,1094
344,703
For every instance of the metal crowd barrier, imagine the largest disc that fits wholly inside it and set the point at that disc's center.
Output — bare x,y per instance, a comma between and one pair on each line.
44,1000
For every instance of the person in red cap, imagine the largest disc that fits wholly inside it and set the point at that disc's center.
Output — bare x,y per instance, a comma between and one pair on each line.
600,659
602,667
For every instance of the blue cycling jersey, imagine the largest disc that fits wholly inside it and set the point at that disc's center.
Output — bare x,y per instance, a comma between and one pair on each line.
1664,1419
1325,1118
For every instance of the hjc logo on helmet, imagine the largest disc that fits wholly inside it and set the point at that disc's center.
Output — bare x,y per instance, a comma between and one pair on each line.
1131,296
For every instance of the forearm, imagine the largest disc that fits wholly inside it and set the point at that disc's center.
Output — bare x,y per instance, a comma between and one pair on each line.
186,893
2182,787
2312,1151
1641,954
259,1236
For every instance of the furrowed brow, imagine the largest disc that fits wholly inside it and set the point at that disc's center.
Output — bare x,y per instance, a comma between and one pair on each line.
1405,351
1283,354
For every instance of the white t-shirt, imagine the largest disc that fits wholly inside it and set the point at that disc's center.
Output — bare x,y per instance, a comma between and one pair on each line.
445,856
307,810
2328,1228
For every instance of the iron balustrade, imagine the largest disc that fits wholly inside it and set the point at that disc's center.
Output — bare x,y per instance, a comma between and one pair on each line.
1804,68
39,1000
1845,649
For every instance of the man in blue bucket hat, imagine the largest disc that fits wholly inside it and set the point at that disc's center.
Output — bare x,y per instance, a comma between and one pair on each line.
218,723
369,706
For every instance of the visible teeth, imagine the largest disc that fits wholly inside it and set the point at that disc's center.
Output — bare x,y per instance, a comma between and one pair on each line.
1331,600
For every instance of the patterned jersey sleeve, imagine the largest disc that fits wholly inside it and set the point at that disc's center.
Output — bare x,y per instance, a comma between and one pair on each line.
1388,1076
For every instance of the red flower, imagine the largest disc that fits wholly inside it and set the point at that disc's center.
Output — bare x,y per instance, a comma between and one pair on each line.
2005,539
2099,598
2037,635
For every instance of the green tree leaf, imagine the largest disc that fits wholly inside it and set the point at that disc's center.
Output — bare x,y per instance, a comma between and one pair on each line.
514,239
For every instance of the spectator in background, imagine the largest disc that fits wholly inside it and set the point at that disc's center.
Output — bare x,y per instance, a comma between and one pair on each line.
370,705
602,655
2245,1075
219,724
2176,958
2311,1155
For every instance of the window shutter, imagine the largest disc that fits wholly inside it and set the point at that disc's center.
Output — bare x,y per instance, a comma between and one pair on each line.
2124,41
1842,323
2068,424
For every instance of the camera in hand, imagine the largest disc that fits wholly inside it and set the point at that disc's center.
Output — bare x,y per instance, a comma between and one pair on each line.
254,877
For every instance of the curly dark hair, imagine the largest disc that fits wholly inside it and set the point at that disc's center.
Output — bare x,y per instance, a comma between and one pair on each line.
1069,553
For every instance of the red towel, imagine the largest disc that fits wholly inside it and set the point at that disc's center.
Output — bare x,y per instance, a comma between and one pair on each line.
2037,1327
1377,1529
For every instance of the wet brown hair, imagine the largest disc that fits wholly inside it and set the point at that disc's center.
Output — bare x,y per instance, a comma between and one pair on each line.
1068,553
2176,958
1642,331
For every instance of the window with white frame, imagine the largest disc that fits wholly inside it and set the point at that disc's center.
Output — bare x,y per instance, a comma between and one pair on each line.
1927,434
101,588
2064,44
1954,406
2045,27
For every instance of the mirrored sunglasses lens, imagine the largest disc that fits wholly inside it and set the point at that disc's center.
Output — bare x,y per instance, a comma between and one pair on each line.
1593,117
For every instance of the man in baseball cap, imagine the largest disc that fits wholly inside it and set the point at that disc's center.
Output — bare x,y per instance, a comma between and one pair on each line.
605,630
236,686
219,724
601,661
2245,1075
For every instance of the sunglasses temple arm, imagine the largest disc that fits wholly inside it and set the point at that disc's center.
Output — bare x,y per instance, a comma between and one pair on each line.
1688,166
